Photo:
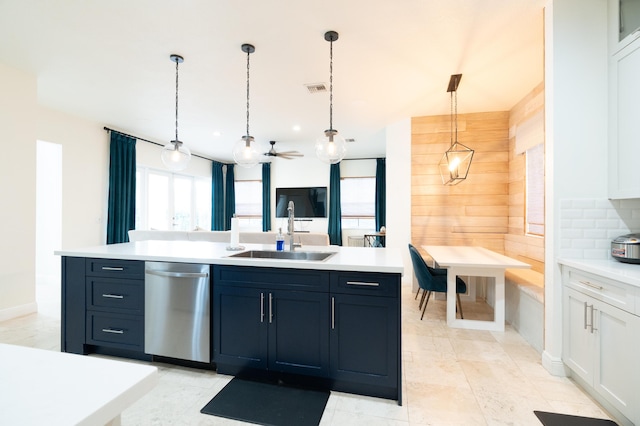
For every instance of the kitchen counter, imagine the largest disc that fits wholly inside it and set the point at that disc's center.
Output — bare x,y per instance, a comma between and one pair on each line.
627,273
383,260
41,387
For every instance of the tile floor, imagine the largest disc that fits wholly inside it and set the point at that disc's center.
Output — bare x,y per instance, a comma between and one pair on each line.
451,377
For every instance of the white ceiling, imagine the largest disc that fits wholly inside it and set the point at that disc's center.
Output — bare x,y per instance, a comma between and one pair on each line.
108,61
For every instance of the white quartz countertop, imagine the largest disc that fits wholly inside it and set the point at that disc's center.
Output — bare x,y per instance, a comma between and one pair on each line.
362,259
40,387
628,273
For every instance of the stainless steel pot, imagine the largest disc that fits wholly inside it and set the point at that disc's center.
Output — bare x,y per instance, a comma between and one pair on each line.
626,248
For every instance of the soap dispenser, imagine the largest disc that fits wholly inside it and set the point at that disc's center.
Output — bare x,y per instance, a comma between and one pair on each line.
280,240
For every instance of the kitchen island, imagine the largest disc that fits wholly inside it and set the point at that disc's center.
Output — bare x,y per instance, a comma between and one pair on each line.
333,323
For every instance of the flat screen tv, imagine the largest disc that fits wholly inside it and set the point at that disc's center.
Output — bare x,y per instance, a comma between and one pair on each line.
309,202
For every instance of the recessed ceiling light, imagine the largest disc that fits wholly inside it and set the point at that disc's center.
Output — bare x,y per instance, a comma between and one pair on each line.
217,134
296,128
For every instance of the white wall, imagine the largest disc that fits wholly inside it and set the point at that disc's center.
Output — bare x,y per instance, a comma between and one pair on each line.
576,134
48,213
18,106
85,175
398,165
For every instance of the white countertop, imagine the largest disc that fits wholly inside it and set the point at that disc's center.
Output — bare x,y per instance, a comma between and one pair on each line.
40,387
628,273
363,259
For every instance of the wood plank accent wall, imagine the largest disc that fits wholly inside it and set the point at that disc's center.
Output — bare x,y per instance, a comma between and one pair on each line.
517,244
488,209
476,211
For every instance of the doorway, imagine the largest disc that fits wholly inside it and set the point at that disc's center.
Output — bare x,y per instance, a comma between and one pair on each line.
48,226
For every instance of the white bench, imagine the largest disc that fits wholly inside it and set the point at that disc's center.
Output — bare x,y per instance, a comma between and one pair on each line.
524,310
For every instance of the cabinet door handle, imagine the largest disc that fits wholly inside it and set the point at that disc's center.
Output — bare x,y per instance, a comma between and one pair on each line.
112,268
261,307
592,327
588,284
585,315
270,308
364,284
113,296
333,313
113,331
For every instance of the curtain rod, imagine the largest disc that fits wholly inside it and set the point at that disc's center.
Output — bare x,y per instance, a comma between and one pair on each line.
364,158
156,143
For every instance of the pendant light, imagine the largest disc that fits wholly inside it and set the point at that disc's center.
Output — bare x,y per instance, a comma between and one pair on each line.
175,155
455,163
245,152
331,148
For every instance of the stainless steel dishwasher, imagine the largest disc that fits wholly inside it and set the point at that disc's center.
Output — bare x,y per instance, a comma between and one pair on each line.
177,310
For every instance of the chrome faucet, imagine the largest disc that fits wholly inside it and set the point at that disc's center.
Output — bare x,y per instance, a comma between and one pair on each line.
290,230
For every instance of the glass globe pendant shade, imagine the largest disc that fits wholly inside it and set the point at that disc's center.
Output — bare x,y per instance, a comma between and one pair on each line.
175,156
245,152
331,148
455,163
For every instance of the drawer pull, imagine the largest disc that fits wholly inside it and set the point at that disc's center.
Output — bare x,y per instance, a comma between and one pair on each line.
113,296
363,284
177,274
588,284
112,331
112,268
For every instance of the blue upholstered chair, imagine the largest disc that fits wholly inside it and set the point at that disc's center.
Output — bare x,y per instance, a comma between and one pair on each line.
430,279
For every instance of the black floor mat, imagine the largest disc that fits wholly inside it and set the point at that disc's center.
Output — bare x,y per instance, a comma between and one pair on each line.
555,419
268,403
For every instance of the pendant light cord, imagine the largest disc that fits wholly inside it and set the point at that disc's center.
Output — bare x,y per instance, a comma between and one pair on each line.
454,117
177,140
248,54
331,84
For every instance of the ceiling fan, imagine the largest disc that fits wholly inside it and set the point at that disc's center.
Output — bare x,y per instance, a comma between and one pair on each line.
287,154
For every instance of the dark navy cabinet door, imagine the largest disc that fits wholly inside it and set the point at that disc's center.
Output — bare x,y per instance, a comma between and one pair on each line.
299,332
240,327
364,339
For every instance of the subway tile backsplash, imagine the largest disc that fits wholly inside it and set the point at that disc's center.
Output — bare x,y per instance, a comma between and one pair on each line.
587,226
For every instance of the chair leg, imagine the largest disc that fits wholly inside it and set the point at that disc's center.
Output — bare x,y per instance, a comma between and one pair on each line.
417,293
425,305
459,305
424,294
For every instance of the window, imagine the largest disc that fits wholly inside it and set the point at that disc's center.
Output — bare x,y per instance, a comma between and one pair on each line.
170,201
358,202
248,194
535,190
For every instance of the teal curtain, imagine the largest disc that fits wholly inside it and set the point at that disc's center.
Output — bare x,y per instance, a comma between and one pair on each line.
229,197
335,212
217,197
266,197
381,193
121,214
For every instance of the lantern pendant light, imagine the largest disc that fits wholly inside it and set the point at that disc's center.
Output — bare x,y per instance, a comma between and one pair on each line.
331,148
245,152
175,155
456,161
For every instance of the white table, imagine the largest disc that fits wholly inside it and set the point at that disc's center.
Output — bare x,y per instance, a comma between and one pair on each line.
474,262
40,387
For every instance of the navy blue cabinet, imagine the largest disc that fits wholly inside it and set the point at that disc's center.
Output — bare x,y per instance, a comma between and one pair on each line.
102,306
271,319
341,327
365,333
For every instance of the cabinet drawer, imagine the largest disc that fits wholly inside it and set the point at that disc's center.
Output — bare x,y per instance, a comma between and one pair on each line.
115,295
367,283
609,291
116,330
274,278
115,268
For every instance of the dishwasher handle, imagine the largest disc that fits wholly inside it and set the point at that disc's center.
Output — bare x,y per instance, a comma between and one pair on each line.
177,274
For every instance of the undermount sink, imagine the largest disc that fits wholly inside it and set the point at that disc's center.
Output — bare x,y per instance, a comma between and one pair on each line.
286,255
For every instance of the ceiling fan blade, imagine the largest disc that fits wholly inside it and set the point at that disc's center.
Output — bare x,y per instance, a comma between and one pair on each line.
292,153
290,156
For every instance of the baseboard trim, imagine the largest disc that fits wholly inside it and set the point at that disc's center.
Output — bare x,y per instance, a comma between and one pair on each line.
18,311
554,365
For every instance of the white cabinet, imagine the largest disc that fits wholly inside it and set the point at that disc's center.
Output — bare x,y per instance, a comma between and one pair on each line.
601,338
624,95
